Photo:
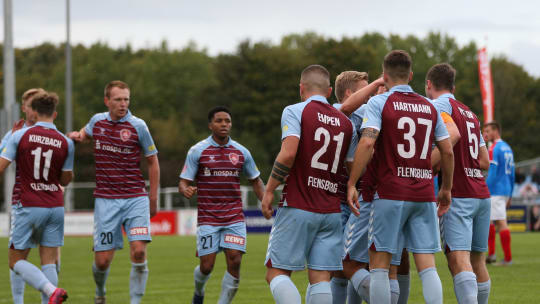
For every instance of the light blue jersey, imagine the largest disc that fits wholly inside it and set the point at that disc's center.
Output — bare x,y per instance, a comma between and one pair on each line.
501,175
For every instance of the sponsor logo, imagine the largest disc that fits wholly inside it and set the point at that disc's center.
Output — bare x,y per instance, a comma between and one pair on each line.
285,128
138,231
234,158
125,134
151,148
184,169
114,149
235,239
207,172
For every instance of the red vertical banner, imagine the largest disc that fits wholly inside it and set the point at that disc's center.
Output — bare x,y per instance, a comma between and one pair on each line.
486,85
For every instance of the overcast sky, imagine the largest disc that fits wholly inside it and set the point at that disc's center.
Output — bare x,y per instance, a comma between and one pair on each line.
512,28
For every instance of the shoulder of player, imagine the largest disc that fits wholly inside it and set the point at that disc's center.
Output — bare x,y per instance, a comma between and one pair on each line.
200,146
99,116
138,123
297,107
239,146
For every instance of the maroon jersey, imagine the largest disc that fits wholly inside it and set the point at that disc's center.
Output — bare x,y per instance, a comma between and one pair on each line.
468,179
41,155
217,170
404,148
117,151
326,134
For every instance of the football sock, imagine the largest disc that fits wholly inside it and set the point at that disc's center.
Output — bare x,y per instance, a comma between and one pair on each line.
229,286
379,287
284,291
137,281
34,277
505,242
352,296
483,292
50,273
361,282
200,281
431,286
394,291
465,287
339,290
320,293
100,277
491,239
404,281
17,287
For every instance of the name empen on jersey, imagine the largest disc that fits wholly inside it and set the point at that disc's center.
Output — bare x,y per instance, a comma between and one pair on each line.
329,120
45,140
411,107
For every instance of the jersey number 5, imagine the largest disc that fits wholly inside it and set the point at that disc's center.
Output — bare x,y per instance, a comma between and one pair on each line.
315,163
37,162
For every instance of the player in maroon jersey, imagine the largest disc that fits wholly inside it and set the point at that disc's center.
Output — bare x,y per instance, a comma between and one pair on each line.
464,228
45,163
316,140
121,199
401,126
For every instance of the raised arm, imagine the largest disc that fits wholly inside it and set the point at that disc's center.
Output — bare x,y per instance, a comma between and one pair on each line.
360,97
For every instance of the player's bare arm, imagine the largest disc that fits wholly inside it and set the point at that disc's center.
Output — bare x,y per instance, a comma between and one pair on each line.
153,174
186,189
258,187
483,158
66,177
447,165
362,156
282,166
4,163
455,136
360,97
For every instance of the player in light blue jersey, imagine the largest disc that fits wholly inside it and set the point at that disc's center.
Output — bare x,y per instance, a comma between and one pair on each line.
500,181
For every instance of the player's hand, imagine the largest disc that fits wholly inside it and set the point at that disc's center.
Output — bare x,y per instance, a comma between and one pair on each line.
266,205
190,191
444,200
75,136
508,202
352,200
153,206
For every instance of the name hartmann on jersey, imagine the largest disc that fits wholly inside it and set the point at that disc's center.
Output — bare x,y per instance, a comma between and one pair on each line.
45,140
411,107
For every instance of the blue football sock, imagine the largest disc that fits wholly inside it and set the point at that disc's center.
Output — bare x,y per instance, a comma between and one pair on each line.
320,293
394,291
361,281
137,281
229,286
50,273
379,286
352,296
284,291
465,287
200,280
339,290
483,292
431,286
100,277
404,281
34,277
17,287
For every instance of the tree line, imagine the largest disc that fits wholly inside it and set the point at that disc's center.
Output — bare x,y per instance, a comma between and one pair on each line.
172,89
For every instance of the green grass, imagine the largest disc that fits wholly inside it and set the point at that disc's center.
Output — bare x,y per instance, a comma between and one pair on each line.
171,262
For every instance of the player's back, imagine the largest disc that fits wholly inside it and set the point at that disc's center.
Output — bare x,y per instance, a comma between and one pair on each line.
500,181
325,138
41,154
468,181
403,147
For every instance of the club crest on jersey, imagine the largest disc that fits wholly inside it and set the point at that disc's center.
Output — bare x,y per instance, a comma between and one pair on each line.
101,131
125,134
234,158
212,158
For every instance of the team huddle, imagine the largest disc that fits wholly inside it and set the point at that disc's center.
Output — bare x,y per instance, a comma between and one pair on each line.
359,191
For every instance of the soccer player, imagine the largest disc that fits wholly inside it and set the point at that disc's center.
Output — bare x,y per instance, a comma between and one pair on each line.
17,282
316,139
465,227
401,126
216,164
121,199
44,159
500,181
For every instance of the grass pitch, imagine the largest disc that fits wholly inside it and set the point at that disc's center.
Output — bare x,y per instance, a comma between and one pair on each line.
171,262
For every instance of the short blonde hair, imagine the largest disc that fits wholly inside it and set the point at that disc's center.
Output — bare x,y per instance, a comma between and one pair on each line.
30,93
348,80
